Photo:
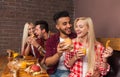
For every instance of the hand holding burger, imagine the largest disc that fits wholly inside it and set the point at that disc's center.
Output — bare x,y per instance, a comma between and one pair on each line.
67,44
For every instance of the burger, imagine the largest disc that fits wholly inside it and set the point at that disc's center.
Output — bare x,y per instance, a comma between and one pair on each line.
35,68
68,44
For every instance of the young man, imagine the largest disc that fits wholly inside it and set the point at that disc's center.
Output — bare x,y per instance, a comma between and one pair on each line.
54,49
42,34
42,30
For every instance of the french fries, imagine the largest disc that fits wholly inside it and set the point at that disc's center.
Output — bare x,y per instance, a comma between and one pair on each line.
23,64
12,53
107,43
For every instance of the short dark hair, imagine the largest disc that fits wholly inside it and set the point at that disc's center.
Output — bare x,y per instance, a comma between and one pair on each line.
43,25
59,15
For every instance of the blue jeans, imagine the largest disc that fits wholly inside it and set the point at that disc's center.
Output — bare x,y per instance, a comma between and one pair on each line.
60,73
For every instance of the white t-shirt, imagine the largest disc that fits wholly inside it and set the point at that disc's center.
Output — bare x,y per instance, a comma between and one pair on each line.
85,64
61,65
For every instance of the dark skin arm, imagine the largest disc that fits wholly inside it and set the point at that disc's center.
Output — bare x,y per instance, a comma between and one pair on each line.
55,58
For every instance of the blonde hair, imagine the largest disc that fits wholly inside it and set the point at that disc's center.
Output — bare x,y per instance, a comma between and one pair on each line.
91,42
25,35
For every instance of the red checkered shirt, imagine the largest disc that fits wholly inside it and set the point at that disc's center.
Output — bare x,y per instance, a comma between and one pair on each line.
76,69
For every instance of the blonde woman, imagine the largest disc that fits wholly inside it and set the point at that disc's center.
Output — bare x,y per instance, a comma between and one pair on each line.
27,31
93,61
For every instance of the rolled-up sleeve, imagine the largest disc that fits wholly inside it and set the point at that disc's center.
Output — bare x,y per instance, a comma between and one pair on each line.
68,56
103,70
104,67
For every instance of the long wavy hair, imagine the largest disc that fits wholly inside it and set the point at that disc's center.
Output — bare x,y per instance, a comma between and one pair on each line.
25,34
91,42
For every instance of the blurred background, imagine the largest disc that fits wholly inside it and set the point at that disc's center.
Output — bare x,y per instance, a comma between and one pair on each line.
15,13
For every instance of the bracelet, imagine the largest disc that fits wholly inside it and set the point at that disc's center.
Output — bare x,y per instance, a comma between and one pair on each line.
39,47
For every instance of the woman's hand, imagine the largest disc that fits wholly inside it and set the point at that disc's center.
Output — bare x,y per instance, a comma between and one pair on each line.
34,42
79,55
107,52
28,40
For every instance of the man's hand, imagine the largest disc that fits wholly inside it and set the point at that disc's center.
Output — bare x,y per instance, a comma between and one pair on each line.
61,48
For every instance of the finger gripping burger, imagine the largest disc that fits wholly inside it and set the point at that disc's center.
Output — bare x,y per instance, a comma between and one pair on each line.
68,43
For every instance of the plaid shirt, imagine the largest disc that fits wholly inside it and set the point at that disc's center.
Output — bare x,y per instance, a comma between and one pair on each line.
76,69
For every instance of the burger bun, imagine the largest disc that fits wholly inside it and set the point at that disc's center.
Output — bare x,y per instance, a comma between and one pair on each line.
68,43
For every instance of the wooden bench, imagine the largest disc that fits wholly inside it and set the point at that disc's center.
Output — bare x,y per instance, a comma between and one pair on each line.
113,60
115,42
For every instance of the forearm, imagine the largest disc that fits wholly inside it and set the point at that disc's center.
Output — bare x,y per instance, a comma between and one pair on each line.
107,52
41,50
53,59
27,50
104,63
72,61
104,68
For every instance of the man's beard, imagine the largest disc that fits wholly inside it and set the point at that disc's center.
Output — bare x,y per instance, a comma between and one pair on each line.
62,31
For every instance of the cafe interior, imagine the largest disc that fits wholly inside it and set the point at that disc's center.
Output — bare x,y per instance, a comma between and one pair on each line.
15,13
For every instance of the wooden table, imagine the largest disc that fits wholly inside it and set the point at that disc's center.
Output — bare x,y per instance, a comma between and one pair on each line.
21,73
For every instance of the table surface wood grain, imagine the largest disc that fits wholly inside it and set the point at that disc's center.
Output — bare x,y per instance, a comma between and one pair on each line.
21,72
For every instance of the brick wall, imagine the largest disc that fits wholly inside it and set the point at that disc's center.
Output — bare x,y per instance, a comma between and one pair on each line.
14,14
